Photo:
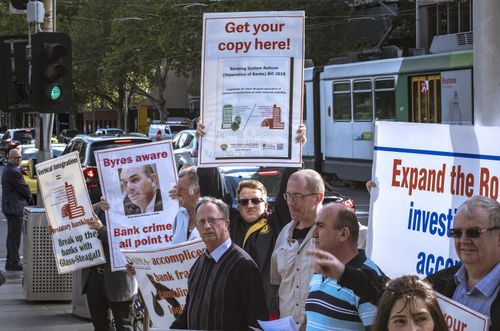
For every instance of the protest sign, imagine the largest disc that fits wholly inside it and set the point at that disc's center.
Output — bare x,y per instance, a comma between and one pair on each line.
68,209
135,181
460,317
162,276
423,173
252,88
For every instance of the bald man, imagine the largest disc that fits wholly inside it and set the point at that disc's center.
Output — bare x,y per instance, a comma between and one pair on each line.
15,196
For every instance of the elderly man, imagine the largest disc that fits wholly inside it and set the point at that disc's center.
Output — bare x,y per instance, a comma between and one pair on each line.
15,196
143,193
347,286
187,191
224,286
290,265
476,282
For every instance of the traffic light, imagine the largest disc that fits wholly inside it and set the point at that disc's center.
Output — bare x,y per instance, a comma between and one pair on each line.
51,83
13,74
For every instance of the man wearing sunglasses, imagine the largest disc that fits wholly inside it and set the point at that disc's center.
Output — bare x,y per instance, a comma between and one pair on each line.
256,233
476,283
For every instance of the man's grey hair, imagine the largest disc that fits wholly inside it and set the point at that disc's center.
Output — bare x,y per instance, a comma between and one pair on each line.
192,176
492,208
221,205
314,181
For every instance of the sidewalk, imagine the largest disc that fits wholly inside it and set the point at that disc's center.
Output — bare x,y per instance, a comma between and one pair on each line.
17,314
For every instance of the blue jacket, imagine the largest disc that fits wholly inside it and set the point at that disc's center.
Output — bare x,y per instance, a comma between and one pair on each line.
16,193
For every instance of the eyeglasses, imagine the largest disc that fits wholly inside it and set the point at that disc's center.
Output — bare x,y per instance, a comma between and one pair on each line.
295,196
209,220
255,201
470,232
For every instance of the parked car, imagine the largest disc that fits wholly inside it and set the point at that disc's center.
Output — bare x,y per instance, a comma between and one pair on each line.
163,131
86,145
185,147
271,178
29,154
15,137
66,135
109,131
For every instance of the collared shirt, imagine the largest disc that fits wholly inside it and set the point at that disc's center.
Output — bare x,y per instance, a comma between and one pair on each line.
181,225
151,207
291,269
482,295
219,251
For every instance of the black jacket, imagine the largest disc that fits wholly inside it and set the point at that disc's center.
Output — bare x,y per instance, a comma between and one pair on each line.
444,282
16,193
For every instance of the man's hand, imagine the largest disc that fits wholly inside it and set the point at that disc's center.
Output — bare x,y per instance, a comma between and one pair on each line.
130,269
95,223
301,135
173,193
104,204
200,129
326,263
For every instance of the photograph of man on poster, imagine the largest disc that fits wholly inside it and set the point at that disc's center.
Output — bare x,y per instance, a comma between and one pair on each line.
141,189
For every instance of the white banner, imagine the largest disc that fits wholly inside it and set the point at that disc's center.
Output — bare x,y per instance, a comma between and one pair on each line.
162,276
135,181
68,209
252,88
460,317
423,173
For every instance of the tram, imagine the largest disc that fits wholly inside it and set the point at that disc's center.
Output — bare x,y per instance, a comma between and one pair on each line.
343,101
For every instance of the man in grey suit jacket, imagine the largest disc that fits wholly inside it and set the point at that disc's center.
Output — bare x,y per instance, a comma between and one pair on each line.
15,196
106,289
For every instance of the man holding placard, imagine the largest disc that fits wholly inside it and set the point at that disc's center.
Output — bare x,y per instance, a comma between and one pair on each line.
476,235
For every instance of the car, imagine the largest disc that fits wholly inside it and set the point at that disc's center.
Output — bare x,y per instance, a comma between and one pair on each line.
185,145
66,135
29,154
109,131
86,145
271,178
164,131
15,137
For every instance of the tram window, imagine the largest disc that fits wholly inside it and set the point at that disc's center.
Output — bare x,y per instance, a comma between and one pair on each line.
362,95
385,99
342,101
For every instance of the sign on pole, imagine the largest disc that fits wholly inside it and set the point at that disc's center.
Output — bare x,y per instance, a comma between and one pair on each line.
69,210
252,88
424,172
135,180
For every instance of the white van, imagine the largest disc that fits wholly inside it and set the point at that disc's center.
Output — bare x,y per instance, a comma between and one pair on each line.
163,131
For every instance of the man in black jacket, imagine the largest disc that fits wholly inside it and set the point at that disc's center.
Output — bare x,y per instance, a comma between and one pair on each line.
15,196
476,283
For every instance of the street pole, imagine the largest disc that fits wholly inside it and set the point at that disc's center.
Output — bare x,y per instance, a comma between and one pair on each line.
417,24
486,62
45,121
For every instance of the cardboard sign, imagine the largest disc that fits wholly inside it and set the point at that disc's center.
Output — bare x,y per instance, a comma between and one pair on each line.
461,318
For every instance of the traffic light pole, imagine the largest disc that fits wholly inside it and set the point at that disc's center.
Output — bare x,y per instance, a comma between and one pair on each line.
45,121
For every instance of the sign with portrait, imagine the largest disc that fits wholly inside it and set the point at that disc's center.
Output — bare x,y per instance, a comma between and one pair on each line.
423,173
162,276
69,210
252,88
135,180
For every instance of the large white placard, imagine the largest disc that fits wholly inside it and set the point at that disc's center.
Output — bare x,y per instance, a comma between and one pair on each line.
130,175
68,209
423,173
252,88
460,317
162,276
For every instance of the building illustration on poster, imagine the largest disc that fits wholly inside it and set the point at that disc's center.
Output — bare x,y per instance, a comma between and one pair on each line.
71,209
